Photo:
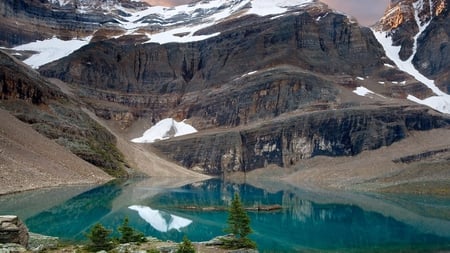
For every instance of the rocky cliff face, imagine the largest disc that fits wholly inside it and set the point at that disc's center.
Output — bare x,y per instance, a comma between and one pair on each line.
288,140
261,66
30,87
330,44
403,21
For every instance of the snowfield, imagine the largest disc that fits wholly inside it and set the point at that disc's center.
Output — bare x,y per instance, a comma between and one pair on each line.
164,130
51,50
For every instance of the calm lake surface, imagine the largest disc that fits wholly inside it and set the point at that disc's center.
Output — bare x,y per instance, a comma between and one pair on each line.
308,221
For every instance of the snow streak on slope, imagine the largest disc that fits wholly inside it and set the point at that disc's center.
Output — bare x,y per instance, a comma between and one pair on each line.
441,101
51,50
165,129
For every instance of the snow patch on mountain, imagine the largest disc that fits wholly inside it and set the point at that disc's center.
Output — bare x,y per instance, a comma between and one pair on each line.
274,7
165,129
51,50
363,91
441,101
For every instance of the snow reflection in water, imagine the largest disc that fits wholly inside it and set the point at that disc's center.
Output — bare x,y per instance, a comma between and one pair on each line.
160,220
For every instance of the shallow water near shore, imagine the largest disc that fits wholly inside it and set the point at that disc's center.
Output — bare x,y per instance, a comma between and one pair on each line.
308,221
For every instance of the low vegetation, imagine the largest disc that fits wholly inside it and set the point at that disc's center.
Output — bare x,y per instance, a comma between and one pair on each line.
99,236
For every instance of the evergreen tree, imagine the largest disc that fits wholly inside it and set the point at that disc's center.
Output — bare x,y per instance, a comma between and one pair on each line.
239,226
186,246
129,234
99,237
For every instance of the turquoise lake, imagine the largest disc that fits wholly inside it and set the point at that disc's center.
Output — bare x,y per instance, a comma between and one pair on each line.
309,221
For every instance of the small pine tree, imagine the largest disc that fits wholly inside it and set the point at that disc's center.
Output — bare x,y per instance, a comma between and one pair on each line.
99,237
239,226
129,234
186,246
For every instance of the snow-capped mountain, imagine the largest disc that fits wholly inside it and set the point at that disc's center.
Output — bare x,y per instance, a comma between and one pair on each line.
63,26
150,24
70,19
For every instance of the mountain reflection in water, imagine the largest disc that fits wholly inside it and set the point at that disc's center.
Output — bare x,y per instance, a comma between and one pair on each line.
160,220
311,220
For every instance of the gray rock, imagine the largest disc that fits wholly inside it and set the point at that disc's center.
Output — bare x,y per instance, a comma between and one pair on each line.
287,141
38,243
12,248
12,230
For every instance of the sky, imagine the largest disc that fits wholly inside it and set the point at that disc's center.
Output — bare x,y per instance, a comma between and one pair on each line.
367,12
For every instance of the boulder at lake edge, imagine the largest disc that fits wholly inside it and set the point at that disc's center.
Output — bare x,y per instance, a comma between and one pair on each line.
13,230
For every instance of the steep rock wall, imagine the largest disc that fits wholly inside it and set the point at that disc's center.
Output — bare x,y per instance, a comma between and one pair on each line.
288,140
257,68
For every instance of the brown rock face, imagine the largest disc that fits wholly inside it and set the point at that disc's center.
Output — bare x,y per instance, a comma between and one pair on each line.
29,87
12,230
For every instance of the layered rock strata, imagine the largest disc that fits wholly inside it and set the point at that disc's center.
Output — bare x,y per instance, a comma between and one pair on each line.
285,141
257,68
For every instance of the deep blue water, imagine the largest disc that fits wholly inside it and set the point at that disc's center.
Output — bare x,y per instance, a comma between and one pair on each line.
308,221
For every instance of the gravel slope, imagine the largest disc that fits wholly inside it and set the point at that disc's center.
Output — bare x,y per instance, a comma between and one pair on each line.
29,160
